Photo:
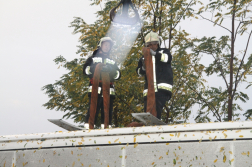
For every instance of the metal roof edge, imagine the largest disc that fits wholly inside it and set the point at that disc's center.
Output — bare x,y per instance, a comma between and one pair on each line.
131,130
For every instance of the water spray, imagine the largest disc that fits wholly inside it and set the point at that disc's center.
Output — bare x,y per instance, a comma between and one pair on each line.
124,29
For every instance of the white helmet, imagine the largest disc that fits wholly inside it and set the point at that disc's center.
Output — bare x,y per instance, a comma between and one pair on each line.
152,37
105,39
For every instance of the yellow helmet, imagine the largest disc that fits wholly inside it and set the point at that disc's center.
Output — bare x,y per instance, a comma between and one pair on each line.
152,37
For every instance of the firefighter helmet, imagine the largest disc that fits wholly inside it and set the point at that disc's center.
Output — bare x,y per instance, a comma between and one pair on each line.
152,38
105,39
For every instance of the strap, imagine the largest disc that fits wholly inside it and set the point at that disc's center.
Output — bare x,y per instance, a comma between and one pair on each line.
94,94
151,101
100,81
106,97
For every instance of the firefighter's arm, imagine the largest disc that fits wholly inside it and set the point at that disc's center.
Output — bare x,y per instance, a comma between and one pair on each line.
164,56
115,73
140,70
112,68
89,67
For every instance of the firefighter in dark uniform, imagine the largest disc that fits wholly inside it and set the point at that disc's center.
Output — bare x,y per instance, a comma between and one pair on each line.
101,55
162,72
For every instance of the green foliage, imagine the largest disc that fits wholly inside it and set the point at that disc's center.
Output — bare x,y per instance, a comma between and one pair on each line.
69,94
224,8
225,61
248,114
217,98
187,78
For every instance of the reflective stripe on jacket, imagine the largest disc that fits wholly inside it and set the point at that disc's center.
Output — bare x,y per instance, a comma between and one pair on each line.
89,68
162,71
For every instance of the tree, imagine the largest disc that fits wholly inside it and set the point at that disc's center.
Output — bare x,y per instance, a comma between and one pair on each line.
223,51
69,94
248,114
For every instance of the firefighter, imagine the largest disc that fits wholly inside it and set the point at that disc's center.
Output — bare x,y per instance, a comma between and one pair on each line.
162,72
101,55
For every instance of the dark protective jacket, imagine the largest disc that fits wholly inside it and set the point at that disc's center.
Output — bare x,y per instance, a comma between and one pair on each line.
162,72
89,68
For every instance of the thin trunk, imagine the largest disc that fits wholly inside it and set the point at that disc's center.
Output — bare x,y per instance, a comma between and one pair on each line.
160,20
230,98
115,117
155,17
154,22
167,114
170,33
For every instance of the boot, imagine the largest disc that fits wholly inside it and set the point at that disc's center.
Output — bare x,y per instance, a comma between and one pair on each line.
86,125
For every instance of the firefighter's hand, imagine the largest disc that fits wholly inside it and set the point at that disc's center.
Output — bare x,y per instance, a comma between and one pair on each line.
106,69
153,53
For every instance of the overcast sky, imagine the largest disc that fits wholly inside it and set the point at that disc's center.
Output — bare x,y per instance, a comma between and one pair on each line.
32,34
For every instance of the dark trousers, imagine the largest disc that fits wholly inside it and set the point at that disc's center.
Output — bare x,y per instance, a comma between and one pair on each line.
100,106
161,99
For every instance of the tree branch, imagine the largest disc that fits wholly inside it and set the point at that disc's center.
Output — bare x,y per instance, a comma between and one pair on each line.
167,114
160,20
237,81
221,70
142,35
170,34
179,83
218,65
152,8
212,108
215,23
237,30
125,103
182,15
